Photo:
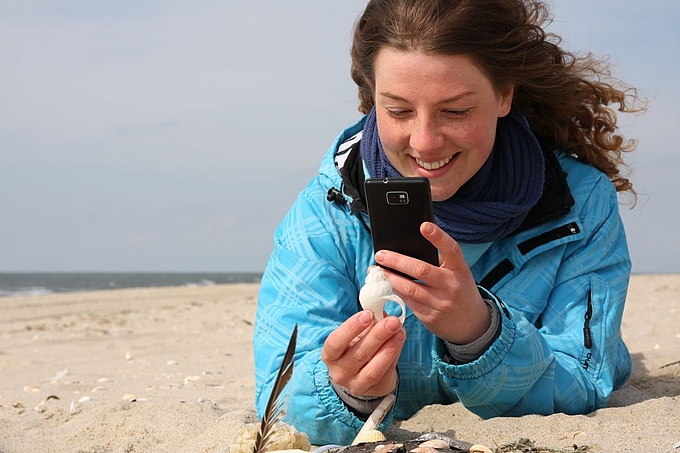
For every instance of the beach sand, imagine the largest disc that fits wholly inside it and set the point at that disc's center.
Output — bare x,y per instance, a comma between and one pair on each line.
171,369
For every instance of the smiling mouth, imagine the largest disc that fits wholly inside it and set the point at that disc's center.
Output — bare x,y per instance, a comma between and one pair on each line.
434,165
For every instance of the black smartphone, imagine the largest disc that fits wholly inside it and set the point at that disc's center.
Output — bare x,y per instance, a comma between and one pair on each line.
396,209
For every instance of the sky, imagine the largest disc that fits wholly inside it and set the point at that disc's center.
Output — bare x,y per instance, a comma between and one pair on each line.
163,136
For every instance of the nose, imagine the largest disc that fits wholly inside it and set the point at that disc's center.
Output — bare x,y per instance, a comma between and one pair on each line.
425,135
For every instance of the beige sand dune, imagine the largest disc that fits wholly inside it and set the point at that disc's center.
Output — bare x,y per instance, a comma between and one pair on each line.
171,369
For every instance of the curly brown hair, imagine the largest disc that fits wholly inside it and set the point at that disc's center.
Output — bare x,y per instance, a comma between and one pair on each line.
566,98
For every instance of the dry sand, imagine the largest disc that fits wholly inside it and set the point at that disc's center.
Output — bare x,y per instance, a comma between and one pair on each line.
171,369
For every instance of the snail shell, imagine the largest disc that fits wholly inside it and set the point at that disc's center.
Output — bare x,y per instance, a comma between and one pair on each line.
376,292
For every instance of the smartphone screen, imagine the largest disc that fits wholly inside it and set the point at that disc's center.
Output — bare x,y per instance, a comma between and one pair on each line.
396,209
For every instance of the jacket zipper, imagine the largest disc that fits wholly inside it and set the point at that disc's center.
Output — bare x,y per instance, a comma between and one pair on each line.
587,336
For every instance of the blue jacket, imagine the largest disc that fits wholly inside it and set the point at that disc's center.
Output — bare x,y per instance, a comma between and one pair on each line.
560,284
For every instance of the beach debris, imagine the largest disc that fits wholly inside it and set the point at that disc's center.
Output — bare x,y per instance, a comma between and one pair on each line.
437,444
286,438
85,399
97,389
676,446
452,443
677,362
421,449
171,362
129,397
525,445
376,417
41,405
274,408
480,449
388,448
368,436
129,357
73,410
376,292
58,376
189,379
18,405
32,389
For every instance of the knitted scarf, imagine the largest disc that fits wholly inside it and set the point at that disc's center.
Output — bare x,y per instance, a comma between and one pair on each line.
495,201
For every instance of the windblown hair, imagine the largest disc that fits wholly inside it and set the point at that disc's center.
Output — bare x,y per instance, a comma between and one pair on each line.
566,98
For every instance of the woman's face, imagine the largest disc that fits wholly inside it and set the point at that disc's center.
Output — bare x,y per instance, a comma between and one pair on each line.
436,116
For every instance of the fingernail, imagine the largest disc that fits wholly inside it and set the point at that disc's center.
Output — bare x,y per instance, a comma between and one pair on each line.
379,255
392,324
366,317
428,228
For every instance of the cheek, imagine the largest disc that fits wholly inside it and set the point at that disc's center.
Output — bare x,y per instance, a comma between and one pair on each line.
479,137
392,136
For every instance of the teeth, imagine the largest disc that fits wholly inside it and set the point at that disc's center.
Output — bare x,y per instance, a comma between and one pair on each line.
433,165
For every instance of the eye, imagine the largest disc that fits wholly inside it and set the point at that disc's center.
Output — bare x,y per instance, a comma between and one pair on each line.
397,113
457,113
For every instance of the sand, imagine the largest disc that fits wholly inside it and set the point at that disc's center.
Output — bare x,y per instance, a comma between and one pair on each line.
171,369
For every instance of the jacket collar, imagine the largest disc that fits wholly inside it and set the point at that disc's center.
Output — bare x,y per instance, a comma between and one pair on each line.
555,202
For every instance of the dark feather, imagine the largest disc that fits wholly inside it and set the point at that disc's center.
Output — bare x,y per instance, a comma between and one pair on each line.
273,412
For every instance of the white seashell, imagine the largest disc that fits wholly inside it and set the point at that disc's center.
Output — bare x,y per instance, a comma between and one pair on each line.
437,444
387,448
376,292
372,435
480,449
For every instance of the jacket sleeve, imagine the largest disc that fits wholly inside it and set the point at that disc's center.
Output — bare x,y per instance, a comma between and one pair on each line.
310,280
572,359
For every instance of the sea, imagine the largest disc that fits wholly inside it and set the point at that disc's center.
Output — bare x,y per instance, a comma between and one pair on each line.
27,284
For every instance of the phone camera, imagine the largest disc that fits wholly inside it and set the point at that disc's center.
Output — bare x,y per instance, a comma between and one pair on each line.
397,197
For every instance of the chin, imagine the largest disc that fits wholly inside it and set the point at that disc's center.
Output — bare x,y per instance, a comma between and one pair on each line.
442,194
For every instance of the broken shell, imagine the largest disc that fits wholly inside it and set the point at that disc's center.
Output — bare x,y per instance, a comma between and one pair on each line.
387,448
376,292
480,449
437,444
372,435
424,450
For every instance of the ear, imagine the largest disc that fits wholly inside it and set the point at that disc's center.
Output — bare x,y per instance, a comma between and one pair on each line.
506,101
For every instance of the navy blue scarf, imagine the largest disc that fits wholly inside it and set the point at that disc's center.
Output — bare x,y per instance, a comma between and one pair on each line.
497,199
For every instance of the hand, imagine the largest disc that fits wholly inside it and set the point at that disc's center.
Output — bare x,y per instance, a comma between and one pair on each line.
362,357
448,303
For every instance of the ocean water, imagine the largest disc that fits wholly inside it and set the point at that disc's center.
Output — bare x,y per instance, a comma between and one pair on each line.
24,284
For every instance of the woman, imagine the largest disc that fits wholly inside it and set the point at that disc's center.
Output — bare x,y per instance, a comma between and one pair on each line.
523,155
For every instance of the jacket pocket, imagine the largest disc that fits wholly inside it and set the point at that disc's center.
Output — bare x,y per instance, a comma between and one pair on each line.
598,335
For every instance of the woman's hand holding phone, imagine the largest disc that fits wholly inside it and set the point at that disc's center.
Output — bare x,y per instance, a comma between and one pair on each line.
447,301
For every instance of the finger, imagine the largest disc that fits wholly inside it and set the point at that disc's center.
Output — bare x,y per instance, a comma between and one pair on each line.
364,350
371,380
451,255
340,340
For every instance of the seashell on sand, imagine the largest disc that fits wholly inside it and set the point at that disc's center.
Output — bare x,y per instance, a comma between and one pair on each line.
480,449
372,435
422,449
387,448
376,292
437,444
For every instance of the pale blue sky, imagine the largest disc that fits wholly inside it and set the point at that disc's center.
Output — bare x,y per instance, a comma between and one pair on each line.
173,136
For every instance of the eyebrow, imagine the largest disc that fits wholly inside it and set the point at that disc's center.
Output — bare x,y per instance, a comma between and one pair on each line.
443,101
